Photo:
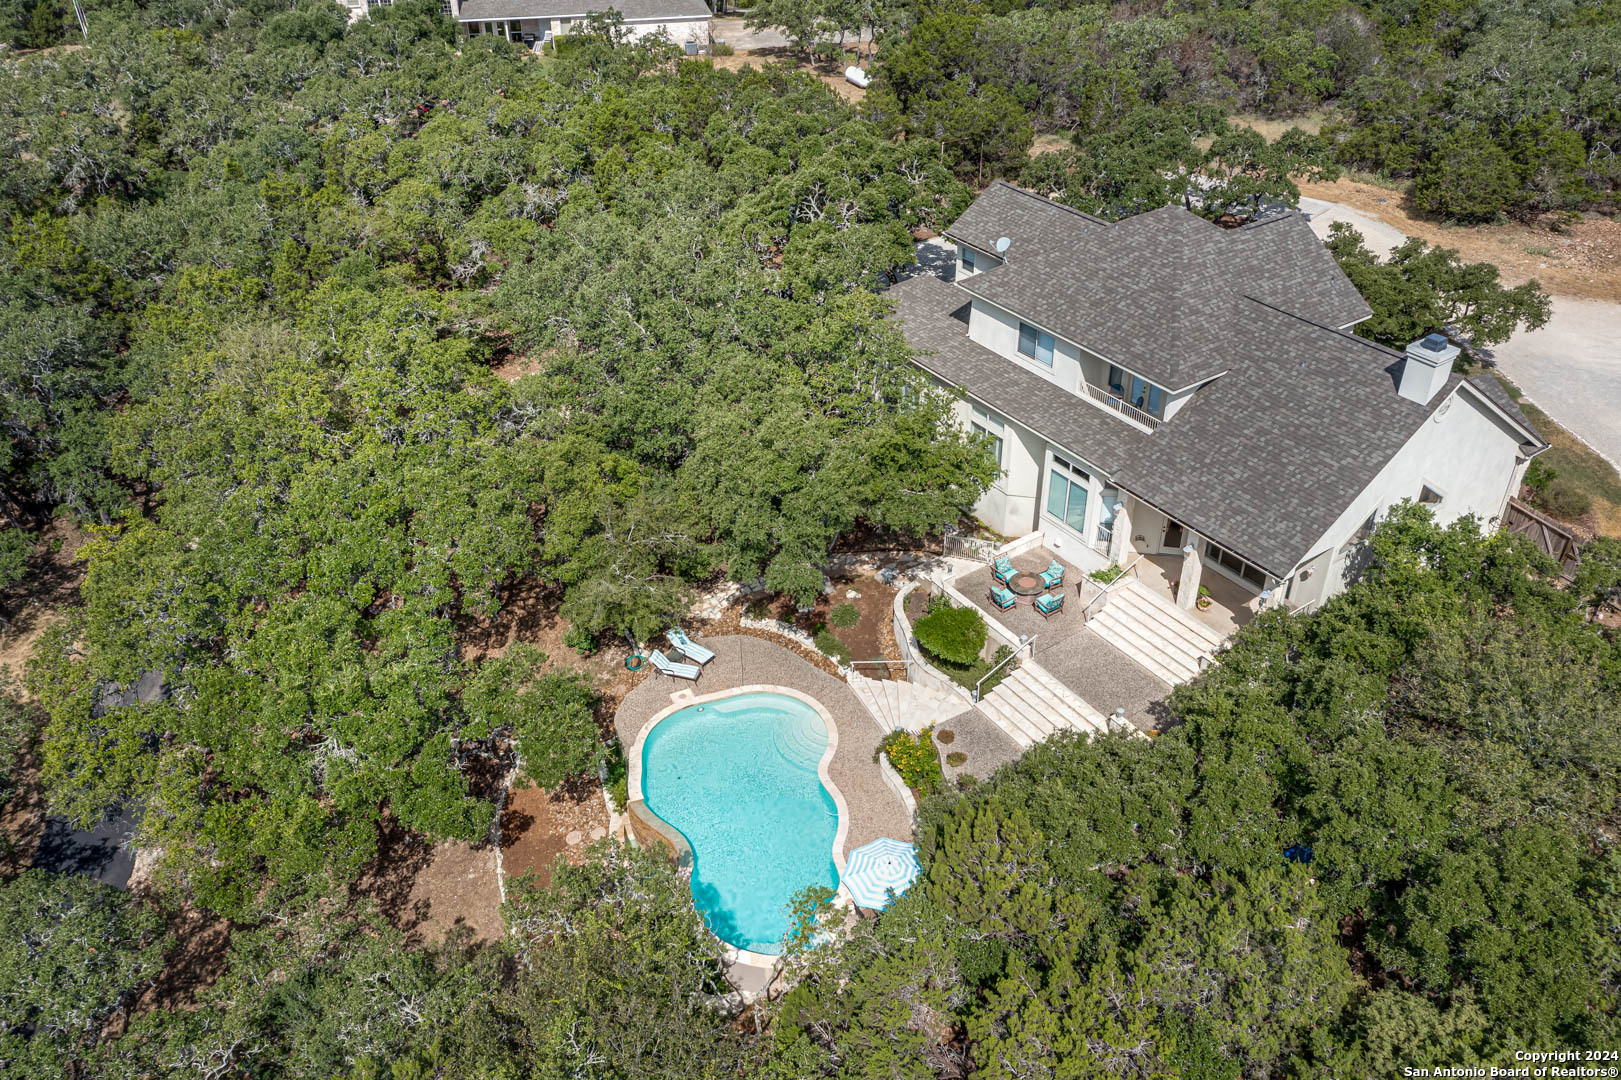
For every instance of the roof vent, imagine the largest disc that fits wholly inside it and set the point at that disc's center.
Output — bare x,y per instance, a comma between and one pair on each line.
1425,368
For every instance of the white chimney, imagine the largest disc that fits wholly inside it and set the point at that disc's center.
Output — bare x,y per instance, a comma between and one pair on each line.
1426,368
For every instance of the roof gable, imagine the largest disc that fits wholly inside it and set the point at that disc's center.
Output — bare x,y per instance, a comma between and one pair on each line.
1154,293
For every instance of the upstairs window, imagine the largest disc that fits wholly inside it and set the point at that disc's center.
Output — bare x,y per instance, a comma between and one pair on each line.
1036,344
1428,496
968,260
988,423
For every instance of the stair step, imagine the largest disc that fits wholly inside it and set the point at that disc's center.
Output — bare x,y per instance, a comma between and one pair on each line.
1018,727
1168,634
1168,643
1131,640
1168,613
1084,708
1077,714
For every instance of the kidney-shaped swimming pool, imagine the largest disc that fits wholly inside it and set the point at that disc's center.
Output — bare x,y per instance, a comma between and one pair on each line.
738,776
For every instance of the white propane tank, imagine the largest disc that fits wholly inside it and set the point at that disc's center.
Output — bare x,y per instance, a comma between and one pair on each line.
856,76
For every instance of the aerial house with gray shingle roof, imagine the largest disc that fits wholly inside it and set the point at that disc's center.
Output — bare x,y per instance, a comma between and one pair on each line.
1164,387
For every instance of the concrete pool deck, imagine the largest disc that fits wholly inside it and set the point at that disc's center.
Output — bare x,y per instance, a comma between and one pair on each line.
869,808
875,809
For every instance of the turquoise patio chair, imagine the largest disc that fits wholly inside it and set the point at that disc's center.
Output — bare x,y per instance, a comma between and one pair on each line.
1002,569
1002,598
1053,576
1049,605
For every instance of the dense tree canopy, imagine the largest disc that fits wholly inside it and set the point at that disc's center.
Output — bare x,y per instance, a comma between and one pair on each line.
260,271
1488,106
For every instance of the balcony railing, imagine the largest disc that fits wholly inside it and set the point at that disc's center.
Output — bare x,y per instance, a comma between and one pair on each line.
1124,408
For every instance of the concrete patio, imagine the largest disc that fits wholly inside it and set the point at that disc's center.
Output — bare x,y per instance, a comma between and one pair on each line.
1099,673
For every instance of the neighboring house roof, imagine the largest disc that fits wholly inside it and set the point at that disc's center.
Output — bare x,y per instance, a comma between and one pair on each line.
632,10
1152,293
1264,459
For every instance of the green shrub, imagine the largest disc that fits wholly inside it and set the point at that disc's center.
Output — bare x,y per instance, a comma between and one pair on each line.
1107,574
1563,499
994,679
720,48
936,601
580,640
1539,474
914,758
830,645
758,609
617,772
955,635
844,616
956,759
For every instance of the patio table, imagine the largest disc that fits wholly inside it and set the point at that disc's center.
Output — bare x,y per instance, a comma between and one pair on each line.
1025,583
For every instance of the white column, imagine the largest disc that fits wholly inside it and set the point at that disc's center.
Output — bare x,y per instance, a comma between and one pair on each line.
1187,591
1120,542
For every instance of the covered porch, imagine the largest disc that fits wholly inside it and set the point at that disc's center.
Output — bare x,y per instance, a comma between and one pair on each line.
1231,605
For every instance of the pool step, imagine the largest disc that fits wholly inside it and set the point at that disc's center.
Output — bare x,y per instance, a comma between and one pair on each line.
912,706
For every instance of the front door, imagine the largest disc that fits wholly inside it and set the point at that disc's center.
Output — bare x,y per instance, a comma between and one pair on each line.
1173,536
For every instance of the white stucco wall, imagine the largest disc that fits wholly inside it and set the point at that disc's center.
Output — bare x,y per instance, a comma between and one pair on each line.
1010,506
998,331
1465,451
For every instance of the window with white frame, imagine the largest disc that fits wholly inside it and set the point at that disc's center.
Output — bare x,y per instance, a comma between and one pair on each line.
1428,496
989,424
1235,565
1136,390
1067,487
968,261
1036,344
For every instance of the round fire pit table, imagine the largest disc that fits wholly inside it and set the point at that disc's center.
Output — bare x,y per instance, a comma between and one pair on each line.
1024,584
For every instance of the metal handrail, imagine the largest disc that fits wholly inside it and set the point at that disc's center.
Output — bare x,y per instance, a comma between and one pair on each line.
1030,641
1129,568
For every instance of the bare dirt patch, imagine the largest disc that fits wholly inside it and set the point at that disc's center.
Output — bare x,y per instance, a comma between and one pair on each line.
425,889
830,74
196,958
1049,144
539,826
1583,262
1271,127
529,614
37,604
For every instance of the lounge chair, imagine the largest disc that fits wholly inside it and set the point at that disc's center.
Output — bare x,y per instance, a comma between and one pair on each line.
1049,605
1002,598
664,666
689,648
1002,569
1053,576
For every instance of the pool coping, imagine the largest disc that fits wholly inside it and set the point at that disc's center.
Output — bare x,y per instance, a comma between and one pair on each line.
633,784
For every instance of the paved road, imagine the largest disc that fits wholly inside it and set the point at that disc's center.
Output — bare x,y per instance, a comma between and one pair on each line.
1571,368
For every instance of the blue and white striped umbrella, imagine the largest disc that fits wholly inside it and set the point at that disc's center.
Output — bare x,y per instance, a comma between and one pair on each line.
875,870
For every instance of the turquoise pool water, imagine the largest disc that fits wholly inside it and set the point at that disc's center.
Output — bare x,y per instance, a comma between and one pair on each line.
738,778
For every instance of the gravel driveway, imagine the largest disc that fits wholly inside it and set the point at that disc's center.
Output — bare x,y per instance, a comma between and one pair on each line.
1571,368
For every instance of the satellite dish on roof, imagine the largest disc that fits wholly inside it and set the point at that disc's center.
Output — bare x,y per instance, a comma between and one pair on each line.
1002,244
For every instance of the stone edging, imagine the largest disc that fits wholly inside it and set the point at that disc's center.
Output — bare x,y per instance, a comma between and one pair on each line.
896,784
633,762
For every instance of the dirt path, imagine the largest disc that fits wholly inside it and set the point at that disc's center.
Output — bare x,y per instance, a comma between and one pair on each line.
1571,368
1584,263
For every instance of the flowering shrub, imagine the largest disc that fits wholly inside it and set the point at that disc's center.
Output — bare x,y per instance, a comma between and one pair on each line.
914,757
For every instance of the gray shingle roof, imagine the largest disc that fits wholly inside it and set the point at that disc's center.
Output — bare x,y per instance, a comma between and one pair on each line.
924,305
633,10
1262,460
1152,292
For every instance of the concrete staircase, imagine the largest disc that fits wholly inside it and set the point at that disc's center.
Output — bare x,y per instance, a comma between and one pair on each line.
907,705
1030,705
1157,634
